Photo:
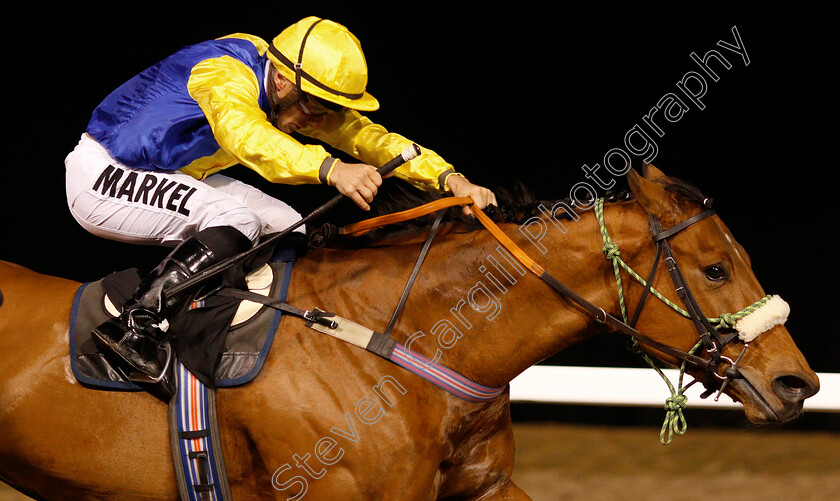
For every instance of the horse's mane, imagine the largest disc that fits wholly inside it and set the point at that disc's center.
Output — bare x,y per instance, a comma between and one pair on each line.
516,204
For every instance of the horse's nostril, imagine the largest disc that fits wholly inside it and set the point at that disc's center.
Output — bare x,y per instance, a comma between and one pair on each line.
792,382
793,388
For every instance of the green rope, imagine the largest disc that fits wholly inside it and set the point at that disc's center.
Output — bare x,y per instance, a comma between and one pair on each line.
613,254
674,419
675,423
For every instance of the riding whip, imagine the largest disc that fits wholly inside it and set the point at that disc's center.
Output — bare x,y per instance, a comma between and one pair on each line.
407,154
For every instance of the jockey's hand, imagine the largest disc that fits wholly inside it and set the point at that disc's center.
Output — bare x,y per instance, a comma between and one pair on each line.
461,187
359,182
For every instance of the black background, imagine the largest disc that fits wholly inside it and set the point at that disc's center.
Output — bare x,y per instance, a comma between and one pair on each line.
520,93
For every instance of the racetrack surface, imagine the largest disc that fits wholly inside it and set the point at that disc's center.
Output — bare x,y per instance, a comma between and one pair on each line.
563,462
581,462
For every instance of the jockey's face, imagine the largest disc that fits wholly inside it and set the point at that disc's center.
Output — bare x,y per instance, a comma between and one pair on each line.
296,109
296,117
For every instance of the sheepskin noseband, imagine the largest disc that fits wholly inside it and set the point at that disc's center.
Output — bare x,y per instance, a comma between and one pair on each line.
772,313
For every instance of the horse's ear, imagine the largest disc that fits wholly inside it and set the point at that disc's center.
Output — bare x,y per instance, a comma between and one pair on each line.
651,195
652,173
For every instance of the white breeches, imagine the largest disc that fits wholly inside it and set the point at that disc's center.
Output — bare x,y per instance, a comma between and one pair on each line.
163,207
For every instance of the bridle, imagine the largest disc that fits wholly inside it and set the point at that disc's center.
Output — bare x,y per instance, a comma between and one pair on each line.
711,338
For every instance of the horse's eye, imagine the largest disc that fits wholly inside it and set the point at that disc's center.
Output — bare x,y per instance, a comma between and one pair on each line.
716,273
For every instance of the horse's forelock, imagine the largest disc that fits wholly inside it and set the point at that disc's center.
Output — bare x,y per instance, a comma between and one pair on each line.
684,192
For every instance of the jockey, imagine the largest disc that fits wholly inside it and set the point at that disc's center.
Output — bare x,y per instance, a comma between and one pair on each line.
146,169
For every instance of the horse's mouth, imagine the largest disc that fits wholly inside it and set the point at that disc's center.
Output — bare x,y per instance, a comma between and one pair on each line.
756,406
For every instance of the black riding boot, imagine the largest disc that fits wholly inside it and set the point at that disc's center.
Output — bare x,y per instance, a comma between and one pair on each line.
136,336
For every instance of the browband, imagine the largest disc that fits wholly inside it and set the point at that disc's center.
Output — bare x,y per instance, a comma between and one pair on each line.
673,230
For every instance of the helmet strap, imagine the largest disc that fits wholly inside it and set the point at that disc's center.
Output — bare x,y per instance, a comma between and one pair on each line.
299,64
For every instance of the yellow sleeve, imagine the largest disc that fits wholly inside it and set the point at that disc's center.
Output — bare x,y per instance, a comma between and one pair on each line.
228,93
357,136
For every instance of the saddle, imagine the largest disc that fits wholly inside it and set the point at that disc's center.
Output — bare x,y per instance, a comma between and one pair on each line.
222,340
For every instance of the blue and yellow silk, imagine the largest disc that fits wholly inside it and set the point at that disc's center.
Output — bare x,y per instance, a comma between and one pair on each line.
205,108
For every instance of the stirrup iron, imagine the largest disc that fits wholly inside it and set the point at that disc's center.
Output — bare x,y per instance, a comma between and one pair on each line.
142,377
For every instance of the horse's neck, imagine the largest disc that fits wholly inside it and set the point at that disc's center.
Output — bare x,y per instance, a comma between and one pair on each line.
473,308
489,320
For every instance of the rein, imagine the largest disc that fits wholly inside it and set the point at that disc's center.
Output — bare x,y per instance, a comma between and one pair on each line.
599,313
711,339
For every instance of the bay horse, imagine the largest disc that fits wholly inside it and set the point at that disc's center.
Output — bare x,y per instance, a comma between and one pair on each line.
327,420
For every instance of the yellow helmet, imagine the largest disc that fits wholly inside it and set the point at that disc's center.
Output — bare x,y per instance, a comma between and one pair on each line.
324,59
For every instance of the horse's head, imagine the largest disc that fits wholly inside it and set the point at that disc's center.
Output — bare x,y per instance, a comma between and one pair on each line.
758,364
